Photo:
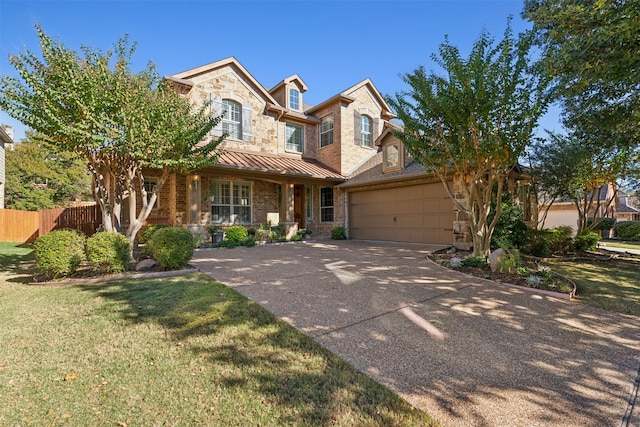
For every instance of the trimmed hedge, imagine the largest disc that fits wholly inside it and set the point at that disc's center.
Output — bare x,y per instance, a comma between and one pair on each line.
108,252
172,247
628,230
237,234
586,241
59,253
145,234
338,233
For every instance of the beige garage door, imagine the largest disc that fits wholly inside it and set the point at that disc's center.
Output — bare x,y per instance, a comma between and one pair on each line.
418,213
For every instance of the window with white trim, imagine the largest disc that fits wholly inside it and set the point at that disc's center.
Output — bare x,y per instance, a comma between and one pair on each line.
149,183
326,204
232,119
294,99
365,131
230,202
295,137
326,131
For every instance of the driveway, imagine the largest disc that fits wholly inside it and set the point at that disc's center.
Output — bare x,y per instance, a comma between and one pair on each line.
469,352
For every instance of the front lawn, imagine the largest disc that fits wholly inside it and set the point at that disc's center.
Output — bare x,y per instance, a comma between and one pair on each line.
169,351
613,285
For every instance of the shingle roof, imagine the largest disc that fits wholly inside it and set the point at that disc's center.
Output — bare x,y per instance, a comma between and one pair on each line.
626,209
274,164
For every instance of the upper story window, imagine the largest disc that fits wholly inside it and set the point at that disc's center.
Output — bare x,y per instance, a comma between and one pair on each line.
366,131
392,158
326,131
294,99
295,138
232,119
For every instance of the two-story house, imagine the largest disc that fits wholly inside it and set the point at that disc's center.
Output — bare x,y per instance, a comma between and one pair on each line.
282,158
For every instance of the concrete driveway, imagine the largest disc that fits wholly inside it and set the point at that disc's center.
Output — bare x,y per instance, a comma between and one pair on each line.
468,352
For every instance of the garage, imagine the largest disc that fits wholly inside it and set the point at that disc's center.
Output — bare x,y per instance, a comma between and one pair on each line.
420,213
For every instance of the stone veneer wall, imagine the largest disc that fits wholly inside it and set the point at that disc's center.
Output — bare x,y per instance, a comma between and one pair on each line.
461,229
352,154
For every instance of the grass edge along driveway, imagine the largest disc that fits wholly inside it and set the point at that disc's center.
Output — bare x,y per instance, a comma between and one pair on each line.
172,351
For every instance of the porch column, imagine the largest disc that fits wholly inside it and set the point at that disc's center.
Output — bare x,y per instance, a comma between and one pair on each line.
289,202
193,199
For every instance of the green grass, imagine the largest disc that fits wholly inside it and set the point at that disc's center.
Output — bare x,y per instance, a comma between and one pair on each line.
621,244
169,351
613,285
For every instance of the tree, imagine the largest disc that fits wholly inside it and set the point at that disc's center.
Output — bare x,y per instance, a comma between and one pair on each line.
41,176
590,48
475,122
565,168
121,122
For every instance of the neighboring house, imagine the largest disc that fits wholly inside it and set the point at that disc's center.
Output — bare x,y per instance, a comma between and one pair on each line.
565,212
6,138
627,208
282,158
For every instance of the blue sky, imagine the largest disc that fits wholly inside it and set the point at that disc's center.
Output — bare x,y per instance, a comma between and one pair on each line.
330,44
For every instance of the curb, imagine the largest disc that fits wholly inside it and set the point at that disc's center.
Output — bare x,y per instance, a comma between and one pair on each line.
559,295
124,276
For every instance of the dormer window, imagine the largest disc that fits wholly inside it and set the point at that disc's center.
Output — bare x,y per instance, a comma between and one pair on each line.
294,99
392,157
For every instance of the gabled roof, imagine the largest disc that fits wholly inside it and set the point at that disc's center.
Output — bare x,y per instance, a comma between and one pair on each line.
185,76
389,127
386,110
4,137
288,80
274,164
347,97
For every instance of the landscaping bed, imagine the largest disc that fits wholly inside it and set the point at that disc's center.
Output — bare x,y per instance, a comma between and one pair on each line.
521,276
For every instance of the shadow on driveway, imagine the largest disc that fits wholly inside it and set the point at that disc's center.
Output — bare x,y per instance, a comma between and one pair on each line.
464,350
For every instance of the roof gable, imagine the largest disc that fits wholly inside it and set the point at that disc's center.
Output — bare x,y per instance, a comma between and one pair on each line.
186,76
291,79
386,110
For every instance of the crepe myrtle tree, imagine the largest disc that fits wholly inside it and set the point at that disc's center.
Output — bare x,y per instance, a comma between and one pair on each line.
121,122
474,121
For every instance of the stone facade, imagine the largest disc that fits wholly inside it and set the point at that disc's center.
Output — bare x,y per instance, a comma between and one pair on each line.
260,125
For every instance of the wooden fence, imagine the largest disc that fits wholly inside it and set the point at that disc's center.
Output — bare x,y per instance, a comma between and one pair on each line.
26,226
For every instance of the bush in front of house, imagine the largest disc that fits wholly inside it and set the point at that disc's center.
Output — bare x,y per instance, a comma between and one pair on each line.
236,234
145,234
171,247
338,233
108,251
59,253
544,243
586,240
628,230
511,230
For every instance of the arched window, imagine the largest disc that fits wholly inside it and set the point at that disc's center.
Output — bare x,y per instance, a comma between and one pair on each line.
232,119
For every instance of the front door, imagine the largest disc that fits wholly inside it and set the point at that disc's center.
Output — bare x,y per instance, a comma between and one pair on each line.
298,205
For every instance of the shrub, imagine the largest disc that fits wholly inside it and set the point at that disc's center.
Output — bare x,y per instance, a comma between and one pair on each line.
172,247
587,240
59,253
511,230
601,223
237,234
145,234
628,230
338,233
475,261
108,251
539,244
560,239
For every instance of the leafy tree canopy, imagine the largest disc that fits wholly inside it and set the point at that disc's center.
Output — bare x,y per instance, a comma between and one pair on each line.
122,122
41,176
475,121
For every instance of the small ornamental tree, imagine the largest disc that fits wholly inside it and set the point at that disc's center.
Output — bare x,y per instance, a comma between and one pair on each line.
121,122
474,122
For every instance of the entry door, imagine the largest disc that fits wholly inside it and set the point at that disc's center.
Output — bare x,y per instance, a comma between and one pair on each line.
298,205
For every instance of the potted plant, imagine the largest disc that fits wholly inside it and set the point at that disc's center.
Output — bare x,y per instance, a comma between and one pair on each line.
216,232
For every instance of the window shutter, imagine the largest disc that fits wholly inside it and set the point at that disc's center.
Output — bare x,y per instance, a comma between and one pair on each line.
357,129
375,133
247,135
216,110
